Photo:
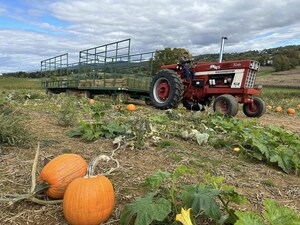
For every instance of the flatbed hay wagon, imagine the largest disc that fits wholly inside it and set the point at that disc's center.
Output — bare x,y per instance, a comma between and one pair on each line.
108,69
111,69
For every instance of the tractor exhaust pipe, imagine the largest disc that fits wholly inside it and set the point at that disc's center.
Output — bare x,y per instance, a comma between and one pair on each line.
222,48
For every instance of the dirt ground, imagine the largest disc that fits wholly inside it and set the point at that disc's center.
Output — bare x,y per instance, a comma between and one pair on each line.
255,180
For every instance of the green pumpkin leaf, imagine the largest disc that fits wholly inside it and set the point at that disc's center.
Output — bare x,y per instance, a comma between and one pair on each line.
181,170
74,133
283,158
145,210
157,179
277,215
114,127
201,198
261,147
247,218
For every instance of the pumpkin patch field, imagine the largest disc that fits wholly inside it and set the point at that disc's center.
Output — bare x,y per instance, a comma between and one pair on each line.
129,163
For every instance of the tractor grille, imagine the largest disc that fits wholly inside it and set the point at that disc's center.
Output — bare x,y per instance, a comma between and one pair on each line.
250,79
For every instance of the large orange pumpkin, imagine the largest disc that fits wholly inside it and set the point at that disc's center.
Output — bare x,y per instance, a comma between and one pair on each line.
60,171
291,111
89,200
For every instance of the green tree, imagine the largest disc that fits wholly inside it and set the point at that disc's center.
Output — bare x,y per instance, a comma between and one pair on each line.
166,56
282,63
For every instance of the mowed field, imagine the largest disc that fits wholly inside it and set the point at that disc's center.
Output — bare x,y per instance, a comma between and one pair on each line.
152,140
285,79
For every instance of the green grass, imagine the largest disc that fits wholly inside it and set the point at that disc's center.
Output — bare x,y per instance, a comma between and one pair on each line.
268,183
19,83
265,71
284,97
280,93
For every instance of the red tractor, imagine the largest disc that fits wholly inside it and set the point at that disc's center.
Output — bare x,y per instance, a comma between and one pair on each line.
224,83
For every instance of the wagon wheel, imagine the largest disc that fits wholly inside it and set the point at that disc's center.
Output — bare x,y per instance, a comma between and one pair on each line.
226,104
255,109
166,90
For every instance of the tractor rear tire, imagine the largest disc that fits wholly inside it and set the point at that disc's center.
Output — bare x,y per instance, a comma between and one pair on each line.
166,89
257,109
226,104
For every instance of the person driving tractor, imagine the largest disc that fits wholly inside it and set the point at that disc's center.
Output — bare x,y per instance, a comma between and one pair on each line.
185,61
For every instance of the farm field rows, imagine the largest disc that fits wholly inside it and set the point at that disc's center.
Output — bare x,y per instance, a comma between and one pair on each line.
288,79
153,140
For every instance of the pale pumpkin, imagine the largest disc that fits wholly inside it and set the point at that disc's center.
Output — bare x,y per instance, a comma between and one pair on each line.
278,109
59,172
91,101
89,200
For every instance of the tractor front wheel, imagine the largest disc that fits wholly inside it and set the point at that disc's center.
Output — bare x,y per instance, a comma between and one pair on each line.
226,104
255,109
166,90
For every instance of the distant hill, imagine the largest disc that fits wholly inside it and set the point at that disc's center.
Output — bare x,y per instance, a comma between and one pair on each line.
265,57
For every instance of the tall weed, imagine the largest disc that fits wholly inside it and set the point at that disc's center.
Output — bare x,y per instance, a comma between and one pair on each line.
12,129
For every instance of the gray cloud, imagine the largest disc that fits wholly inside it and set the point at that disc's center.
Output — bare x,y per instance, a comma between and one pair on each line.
195,25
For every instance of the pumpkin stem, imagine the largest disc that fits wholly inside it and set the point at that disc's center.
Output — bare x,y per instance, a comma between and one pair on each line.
92,164
35,189
40,188
33,171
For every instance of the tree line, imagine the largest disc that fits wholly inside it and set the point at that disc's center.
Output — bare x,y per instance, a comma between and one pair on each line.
280,58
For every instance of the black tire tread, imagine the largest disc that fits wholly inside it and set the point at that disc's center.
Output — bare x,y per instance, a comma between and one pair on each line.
175,82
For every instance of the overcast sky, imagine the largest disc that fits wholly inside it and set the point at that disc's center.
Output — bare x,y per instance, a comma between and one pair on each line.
34,30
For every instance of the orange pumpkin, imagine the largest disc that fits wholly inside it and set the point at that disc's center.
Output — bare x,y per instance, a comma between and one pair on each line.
298,106
291,111
278,109
59,172
89,200
131,107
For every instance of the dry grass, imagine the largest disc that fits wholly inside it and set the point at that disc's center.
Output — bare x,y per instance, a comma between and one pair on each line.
251,178
289,79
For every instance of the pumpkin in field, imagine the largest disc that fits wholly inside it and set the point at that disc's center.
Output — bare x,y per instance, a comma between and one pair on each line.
269,107
291,111
117,107
89,200
298,106
278,109
91,101
59,172
131,107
